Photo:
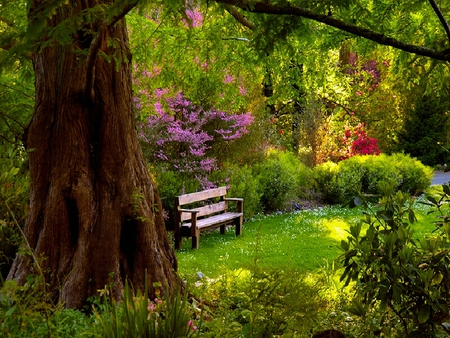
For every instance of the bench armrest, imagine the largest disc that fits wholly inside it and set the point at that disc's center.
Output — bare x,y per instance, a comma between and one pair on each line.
233,199
240,202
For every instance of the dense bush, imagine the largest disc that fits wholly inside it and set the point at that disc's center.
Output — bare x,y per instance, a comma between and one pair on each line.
242,182
27,311
282,177
325,182
338,183
413,177
254,303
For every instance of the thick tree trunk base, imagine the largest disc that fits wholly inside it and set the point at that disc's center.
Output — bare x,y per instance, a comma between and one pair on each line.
95,217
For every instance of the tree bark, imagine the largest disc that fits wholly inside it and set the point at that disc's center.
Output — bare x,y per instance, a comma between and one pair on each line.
95,215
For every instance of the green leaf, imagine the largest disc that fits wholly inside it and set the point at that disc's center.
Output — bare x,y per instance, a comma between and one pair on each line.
424,314
402,234
14,171
11,311
397,292
437,279
411,216
432,200
446,189
355,230
357,308
345,245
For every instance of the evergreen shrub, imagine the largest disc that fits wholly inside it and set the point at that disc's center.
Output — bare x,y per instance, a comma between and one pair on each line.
282,177
325,183
425,129
170,184
413,176
338,183
243,183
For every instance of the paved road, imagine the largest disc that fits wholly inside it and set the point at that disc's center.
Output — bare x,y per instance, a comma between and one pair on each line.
440,178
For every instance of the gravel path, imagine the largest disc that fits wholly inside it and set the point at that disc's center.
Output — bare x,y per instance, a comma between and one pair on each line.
441,177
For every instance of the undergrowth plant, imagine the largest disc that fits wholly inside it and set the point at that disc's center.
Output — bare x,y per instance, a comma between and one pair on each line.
137,316
401,283
261,303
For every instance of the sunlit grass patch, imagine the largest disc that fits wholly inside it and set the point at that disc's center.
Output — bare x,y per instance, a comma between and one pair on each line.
305,240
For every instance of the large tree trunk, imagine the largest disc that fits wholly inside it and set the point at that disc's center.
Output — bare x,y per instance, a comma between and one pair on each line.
95,216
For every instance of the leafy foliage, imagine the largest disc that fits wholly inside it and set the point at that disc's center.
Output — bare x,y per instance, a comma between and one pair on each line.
137,316
395,272
256,303
281,177
338,183
14,189
424,131
27,311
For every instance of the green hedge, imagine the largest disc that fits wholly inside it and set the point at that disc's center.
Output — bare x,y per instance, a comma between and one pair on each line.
338,183
282,177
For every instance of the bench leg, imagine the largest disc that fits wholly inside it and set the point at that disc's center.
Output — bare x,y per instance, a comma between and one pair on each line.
222,229
177,240
196,239
238,224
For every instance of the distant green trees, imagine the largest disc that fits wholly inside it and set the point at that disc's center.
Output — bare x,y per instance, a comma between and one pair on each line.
424,133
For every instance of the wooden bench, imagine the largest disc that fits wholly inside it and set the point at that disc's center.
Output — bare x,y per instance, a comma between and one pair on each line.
209,215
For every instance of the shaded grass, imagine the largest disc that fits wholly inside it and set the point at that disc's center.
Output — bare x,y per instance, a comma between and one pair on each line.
304,241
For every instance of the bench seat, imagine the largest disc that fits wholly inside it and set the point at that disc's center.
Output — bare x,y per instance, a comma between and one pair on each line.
214,221
211,214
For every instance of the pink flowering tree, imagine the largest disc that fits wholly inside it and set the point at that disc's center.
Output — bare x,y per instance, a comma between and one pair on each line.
187,138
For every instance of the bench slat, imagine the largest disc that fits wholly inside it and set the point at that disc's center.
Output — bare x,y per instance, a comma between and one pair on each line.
206,210
201,195
215,220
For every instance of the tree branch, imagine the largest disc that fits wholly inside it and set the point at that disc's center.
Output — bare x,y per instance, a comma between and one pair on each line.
4,115
287,9
9,141
439,14
239,17
98,41
17,90
16,135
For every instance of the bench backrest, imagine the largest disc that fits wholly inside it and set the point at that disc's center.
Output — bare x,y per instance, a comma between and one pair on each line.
202,196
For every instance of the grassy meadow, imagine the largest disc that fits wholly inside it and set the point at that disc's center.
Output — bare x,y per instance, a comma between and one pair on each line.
305,241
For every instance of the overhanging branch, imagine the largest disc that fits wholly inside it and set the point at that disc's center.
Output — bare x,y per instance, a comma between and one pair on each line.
287,9
239,17
5,117
439,14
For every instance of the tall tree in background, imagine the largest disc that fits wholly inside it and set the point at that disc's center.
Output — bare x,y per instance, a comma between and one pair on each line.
95,216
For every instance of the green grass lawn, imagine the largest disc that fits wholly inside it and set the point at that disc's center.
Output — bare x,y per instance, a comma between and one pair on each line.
273,281
304,241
